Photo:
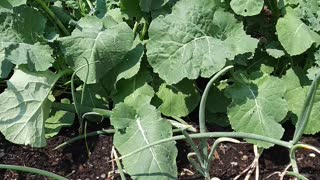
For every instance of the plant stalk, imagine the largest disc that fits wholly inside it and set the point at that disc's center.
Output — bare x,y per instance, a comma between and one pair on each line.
54,17
32,170
144,30
95,133
216,135
84,109
202,111
107,131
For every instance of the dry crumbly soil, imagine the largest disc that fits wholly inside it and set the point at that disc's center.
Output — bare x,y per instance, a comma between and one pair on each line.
73,162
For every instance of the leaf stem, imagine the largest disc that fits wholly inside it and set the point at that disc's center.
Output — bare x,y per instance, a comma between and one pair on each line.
215,135
120,169
144,30
194,148
215,146
84,109
293,154
135,28
32,170
202,110
301,177
54,17
90,5
107,131
95,133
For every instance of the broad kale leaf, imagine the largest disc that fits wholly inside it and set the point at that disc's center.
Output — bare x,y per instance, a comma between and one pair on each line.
126,87
24,107
309,11
21,40
247,7
296,93
149,5
103,46
294,35
57,121
178,99
138,124
9,4
258,107
196,39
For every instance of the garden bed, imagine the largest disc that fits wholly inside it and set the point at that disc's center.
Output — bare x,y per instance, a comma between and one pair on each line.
174,83
72,161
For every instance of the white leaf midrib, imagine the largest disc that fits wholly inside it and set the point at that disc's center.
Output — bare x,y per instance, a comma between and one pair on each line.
138,121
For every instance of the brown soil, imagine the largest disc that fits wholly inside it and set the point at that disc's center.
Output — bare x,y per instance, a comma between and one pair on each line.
72,162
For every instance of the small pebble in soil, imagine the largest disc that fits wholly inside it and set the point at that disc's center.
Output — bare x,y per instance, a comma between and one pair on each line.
244,158
103,176
312,155
234,164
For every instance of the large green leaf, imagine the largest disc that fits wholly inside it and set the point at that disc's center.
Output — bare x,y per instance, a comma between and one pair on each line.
296,95
94,96
130,65
294,35
124,71
126,87
22,45
9,4
295,92
247,7
24,107
57,121
258,107
195,40
150,5
138,124
313,125
131,8
179,99
103,48
308,10
217,102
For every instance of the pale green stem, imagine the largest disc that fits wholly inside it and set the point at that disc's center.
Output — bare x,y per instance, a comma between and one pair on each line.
144,30
32,170
135,28
95,133
73,92
215,146
293,150
202,110
70,108
301,177
90,4
195,165
194,148
123,177
215,135
54,17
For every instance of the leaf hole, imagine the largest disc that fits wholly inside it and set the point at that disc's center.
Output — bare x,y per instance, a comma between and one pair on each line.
245,10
